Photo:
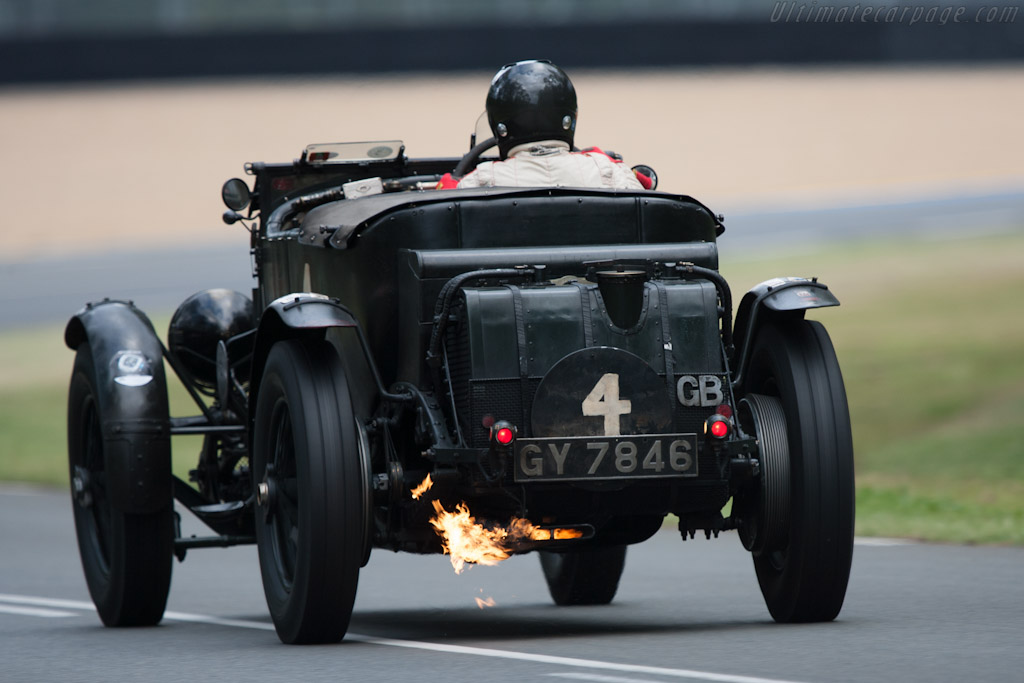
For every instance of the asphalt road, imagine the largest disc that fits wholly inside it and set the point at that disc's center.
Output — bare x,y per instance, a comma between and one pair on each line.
685,611
50,290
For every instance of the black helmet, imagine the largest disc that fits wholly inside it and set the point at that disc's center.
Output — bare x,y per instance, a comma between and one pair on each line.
529,101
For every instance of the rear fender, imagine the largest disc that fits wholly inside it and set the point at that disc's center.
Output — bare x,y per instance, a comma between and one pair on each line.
298,315
132,393
787,297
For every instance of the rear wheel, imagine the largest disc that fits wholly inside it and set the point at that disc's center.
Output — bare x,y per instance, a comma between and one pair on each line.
310,523
126,558
803,540
584,577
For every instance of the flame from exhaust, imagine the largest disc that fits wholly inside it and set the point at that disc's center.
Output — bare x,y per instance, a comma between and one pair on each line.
468,542
465,540
485,602
422,488
566,534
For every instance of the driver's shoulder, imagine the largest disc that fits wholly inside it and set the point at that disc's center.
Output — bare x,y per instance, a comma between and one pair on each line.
481,176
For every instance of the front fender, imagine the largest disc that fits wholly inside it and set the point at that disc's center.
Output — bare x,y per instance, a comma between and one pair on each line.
773,299
131,391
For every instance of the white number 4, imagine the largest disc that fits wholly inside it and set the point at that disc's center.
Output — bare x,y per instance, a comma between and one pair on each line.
604,400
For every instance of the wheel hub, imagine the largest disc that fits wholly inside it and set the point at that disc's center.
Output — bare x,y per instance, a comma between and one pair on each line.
81,486
266,497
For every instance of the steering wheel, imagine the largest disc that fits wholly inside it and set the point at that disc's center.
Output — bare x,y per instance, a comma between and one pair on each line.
469,162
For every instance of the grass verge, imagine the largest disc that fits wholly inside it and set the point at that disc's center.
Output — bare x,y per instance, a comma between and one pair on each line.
930,348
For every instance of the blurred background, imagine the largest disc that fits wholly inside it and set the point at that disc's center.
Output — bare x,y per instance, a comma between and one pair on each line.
877,147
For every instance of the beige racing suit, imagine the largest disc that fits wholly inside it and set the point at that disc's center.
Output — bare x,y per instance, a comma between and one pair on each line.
550,163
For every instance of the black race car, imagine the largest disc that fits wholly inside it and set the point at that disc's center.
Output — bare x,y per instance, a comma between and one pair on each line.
475,372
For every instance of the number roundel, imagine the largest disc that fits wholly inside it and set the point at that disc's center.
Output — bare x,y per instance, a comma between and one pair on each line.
601,391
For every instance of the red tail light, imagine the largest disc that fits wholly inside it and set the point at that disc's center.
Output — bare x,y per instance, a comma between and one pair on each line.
503,432
718,426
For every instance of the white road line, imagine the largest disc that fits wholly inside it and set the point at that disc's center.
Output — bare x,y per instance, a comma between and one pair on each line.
554,660
564,661
34,611
46,602
881,542
217,621
599,678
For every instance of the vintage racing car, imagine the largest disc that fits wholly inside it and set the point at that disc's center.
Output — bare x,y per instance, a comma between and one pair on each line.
477,372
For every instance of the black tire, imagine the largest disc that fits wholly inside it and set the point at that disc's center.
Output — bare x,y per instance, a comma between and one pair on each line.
309,528
126,557
584,577
804,573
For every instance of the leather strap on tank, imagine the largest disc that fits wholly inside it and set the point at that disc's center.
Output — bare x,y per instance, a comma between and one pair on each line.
666,337
521,343
517,307
588,322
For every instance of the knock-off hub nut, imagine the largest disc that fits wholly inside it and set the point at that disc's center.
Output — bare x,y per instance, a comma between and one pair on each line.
263,493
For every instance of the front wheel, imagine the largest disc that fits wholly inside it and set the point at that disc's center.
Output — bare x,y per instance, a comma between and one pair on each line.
584,577
803,535
126,557
306,467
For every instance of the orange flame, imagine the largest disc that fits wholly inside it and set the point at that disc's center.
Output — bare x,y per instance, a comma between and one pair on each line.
465,540
468,542
485,602
566,534
422,488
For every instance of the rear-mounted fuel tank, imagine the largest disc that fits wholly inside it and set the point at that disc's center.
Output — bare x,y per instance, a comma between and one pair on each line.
506,339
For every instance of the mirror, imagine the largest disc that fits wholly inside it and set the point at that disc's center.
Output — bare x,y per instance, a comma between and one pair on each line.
235,194
649,172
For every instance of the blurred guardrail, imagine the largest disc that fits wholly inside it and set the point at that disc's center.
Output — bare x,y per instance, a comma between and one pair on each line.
70,40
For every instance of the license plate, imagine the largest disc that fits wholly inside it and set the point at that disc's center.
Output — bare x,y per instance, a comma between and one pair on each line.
590,458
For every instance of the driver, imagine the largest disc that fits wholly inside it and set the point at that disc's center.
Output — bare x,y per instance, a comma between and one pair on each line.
531,109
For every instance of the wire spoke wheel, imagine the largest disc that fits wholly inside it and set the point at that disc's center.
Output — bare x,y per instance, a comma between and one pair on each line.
126,557
310,522
800,519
